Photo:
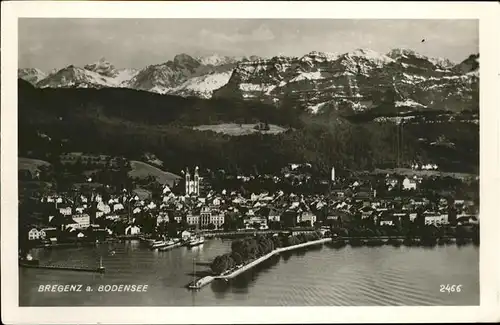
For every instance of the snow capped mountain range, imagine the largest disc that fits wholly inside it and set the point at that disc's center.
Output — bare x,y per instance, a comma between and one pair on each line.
356,81
31,75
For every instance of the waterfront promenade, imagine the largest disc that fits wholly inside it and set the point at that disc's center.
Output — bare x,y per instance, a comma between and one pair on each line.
208,279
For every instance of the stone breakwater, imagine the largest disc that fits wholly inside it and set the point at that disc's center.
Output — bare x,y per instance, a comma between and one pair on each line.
208,279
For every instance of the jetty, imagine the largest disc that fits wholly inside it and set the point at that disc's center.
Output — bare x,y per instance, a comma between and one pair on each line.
99,269
208,279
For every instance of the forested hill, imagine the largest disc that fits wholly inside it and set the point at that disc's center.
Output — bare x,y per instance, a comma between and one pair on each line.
146,107
129,123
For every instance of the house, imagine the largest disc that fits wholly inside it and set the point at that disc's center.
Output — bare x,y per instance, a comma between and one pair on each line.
433,218
274,215
103,207
339,193
467,220
252,221
81,221
132,230
50,233
185,235
193,220
66,211
391,182
34,234
366,212
217,218
386,220
162,217
112,217
418,201
178,218
308,217
409,184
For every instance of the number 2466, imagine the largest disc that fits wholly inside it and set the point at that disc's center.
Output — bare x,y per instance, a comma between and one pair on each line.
450,288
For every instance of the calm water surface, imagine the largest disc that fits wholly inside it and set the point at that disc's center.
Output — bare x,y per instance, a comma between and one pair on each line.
324,276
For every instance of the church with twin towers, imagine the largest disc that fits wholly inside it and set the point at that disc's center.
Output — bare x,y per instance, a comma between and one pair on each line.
192,184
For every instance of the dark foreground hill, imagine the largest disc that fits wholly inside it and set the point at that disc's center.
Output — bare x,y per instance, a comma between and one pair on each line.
128,123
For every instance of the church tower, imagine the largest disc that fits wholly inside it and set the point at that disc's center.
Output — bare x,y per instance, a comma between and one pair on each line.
188,181
196,181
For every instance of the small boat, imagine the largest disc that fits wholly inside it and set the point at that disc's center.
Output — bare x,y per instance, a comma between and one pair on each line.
169,244
158,243
26,262
196,241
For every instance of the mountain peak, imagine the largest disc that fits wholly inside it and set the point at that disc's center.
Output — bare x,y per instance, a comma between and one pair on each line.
329,56
214,59
370,55
102,66
31,75
183,58
404,52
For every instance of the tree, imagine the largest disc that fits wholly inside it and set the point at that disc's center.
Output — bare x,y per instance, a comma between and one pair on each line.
219,265
292,240
237,258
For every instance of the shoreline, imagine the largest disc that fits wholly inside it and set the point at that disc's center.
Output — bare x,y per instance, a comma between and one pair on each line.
200,283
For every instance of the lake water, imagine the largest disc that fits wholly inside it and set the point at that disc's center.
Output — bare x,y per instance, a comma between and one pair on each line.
324,276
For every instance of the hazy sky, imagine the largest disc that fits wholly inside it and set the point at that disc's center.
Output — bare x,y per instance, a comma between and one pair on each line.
48,43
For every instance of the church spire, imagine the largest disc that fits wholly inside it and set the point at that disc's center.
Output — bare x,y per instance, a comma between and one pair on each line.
188,181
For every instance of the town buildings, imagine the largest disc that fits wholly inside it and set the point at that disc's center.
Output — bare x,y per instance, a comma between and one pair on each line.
351,202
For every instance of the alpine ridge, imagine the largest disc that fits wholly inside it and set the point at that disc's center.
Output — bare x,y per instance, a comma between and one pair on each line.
318,82
359,81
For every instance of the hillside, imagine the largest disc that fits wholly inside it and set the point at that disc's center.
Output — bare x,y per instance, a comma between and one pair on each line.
31,165
142,170
129,123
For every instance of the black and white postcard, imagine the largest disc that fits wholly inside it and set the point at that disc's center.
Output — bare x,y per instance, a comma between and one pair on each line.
234,154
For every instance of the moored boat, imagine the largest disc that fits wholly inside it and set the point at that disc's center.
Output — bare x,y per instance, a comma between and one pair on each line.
26,262
196,241
169,244
158,244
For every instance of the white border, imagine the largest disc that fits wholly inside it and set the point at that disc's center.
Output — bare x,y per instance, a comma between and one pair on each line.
488,13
